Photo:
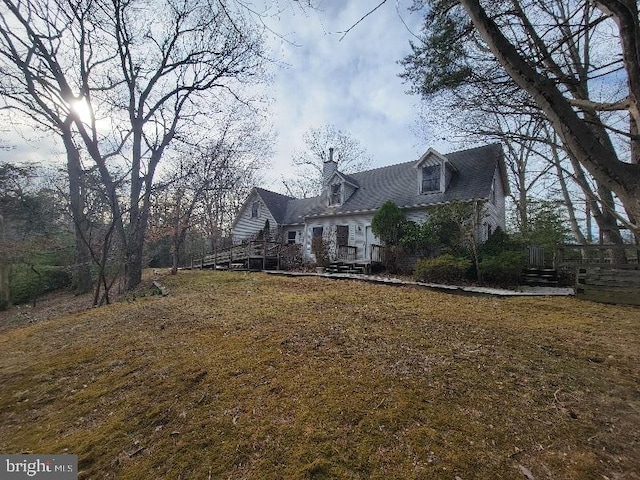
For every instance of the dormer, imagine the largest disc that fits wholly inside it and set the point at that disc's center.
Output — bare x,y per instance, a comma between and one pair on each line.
340,187
434,172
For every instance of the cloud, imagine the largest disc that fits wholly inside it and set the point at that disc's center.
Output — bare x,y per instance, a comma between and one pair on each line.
352,83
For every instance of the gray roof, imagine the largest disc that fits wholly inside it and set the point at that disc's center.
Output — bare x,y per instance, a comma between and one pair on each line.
472,179
275,202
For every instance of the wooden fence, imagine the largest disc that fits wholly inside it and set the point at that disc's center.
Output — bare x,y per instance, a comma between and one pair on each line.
609,285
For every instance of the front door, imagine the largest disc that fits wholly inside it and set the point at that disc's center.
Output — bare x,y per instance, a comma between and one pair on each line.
369,239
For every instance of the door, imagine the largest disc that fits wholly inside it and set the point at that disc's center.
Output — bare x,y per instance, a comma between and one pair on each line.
369,239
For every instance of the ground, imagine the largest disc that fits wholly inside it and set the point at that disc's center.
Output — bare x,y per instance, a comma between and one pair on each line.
235,375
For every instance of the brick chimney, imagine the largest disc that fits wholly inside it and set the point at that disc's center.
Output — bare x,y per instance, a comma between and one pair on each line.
329,168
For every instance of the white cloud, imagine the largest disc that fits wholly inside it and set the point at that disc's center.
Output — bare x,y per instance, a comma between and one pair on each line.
352,83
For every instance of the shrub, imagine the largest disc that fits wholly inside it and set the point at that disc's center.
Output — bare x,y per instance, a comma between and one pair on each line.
320,249
28,283
442,269
291,256
504,267
499,242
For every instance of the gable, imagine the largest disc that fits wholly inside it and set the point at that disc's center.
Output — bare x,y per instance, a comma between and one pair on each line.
434,172
339,188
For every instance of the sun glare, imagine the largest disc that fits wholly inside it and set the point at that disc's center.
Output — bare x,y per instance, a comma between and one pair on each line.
81,108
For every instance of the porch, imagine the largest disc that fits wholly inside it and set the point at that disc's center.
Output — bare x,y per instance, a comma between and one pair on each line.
347,260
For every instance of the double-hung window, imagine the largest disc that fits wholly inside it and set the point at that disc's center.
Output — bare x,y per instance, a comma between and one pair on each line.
431,178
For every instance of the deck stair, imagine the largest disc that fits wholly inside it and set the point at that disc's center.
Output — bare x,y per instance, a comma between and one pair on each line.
540,277
348,267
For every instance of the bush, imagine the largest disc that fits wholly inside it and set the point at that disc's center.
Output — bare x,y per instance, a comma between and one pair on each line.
503,268
320,249
291,256
27,284
499,242
442,269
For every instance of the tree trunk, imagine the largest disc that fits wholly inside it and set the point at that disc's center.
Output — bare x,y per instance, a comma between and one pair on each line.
134,254
577,136
609,227
5,270
82,271
573,222
5,291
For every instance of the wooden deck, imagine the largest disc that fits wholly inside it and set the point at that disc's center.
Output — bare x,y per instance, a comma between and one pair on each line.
260,255
254,255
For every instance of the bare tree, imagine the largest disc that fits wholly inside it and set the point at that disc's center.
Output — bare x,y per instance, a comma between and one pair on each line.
147,73
348,152
202,183
548,49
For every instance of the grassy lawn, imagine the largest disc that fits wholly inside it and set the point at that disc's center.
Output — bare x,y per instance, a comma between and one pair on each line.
248,376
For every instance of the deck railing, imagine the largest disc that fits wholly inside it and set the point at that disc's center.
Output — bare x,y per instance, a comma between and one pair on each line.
572,255
239,254
377,253
347,253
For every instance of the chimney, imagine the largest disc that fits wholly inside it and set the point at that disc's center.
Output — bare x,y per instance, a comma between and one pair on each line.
329,167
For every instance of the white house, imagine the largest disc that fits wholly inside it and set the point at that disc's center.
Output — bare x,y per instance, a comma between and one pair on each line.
342,214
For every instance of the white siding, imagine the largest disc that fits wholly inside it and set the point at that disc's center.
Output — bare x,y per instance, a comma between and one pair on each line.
247,226
357,225
298,229
496,216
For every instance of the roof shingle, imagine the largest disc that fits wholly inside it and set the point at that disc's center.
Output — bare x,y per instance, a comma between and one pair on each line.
472,179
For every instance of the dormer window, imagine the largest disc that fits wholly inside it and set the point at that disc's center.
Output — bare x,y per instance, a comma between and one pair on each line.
431,178
335,195
434,173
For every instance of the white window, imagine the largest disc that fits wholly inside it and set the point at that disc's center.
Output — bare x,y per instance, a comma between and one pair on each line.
431,178
291,237
255,209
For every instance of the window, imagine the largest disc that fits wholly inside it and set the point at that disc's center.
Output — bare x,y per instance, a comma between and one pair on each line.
317,232
336,194
291,237
255,209
431,178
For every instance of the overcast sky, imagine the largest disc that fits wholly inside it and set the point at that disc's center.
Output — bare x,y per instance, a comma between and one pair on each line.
351,83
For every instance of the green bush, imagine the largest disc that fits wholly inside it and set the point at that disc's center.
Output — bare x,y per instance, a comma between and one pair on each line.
442,269
498,242
27,284
504,267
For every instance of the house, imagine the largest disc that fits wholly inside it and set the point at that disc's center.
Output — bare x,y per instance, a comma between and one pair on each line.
342,214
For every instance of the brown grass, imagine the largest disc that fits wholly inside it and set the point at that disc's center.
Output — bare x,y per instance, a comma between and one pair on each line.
237,376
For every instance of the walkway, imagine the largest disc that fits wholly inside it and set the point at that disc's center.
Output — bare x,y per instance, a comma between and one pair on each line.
464,290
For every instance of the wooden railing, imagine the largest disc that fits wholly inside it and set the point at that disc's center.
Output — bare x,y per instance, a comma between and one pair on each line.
535,257
239,254
377,253
347,253
569,256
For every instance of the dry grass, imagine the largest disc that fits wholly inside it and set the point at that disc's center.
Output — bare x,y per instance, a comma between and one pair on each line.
237,376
